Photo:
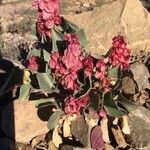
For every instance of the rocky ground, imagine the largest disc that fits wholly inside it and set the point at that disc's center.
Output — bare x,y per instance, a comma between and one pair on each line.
107,18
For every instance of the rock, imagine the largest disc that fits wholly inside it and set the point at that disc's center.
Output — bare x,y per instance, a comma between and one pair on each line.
79,129
139,123
128,85
110,19
146,4
147,104
79,148
141,98
118,135
141,75
51,146
21,122
109,147
66,147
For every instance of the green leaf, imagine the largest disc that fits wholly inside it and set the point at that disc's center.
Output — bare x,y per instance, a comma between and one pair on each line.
45,82
85,90
73,26
46,55
82,38
53,120
47,69
45,102
34,52
129,106
114,72
111,107
24,92
95,100
69,26
56,36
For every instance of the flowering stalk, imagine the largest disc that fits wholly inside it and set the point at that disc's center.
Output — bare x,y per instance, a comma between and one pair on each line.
120,54
48,16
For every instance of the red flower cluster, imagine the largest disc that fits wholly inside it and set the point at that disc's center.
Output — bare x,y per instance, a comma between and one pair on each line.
100,69
33,63
72,58
88,66
101,73
68,65
48,15
74,105
120,54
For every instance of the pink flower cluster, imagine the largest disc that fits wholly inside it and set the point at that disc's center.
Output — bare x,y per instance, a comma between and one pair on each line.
72,58
33,63
48,15
88,66
120,54
74,105
101,74
68,65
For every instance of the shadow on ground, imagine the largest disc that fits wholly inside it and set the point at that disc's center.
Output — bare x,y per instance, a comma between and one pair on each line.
6,96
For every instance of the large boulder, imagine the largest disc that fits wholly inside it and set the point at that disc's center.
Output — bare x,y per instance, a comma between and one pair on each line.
21,121
128,17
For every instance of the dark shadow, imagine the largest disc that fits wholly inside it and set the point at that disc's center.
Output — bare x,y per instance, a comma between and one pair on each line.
7,95
146,4
45,112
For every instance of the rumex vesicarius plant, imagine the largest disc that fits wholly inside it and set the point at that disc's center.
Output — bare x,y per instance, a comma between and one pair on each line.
74,81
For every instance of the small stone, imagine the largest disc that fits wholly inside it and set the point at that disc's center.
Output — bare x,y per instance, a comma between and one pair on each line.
128,85
109,147
79,148
147,104
20,121
79,129
66,147
51,146
141,97
139,124
119,136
